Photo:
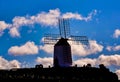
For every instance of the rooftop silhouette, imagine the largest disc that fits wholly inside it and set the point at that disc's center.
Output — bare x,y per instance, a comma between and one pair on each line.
60,73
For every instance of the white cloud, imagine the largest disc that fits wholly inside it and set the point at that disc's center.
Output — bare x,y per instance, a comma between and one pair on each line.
108,60
43,18
3,26
113,48
94,47
14,32
46,61
49,18
82,50
26,49
5,64
118,73
73,15
79,16
79,50
109,48
85,61
21,21
116,48
116,33
47,48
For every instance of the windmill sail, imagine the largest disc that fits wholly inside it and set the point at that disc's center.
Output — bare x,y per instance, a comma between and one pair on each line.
64,32
64,28
51,38
79,39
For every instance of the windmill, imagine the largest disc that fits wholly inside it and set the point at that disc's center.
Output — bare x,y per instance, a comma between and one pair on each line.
62,49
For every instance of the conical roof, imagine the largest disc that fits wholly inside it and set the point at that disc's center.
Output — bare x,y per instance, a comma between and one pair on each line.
62,41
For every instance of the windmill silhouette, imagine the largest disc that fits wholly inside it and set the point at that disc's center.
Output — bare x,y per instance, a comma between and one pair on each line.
62,49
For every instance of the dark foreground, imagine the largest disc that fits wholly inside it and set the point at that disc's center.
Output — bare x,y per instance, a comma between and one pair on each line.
59,74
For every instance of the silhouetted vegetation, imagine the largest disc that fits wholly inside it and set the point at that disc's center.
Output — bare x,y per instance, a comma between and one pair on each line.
59,73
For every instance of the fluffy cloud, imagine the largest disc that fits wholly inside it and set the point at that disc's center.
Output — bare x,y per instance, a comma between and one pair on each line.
47,61
14,32
113,48
85,61
47,48
116,33
43,18
49,18
26,49
118,73
109,48
79,50
3,26
82,50
5,64
108,60
94,47
21,21
116,48
79,16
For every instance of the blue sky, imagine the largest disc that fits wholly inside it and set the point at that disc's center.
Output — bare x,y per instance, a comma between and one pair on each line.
23,24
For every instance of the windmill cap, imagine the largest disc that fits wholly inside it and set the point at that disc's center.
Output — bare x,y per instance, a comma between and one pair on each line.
62,41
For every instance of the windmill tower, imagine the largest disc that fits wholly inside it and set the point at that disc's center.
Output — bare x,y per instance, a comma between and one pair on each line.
62,49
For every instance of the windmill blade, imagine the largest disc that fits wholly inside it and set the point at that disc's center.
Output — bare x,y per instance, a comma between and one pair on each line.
64,27
51,38
79,39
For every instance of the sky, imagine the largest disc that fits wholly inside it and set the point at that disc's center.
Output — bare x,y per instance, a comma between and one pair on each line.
24,23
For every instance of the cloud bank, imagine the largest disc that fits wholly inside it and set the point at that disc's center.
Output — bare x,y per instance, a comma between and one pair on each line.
49,18
107,60
79,50
29,48
118,73
85,61
47,48
3,26
113,48
5,64
46,61
78,16
82,50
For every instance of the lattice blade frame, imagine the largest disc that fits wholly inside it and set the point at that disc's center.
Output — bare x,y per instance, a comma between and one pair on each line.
79,39
51,38
64,27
